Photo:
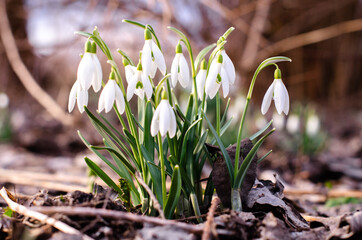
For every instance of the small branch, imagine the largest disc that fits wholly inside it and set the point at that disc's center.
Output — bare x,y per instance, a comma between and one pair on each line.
156,204
209,227
331,193
40,217
23,73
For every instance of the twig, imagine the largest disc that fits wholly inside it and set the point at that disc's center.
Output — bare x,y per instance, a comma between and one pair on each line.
23,73
255,31
40,217
209,227
331,193
156,204
315,36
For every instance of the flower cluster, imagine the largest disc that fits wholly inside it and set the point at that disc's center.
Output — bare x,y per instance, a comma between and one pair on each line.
161,128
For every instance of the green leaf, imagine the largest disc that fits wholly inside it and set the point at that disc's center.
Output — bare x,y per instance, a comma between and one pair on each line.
263,157
223,130
223,150
125,56
201,142
209,192
261,131
100,173
246,163
202,54
130,139
148,139
174,193
8,212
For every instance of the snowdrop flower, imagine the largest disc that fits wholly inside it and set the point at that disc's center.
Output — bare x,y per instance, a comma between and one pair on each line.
152,57
129,69
139,85
111,92
163,120
217,76
278,92
229,66
89,69
200,79
179,69
293,123
79,94
312,125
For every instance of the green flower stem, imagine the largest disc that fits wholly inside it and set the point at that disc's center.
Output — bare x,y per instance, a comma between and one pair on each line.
264,64
218,113
163,171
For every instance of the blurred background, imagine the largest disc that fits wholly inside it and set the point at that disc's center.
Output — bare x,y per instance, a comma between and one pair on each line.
39,55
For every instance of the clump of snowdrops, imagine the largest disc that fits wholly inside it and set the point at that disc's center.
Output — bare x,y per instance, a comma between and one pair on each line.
161,140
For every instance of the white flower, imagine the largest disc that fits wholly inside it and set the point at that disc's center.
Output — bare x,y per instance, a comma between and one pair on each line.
79,94
217,76
163,120
139,85
200,79
229,66
129,72
293,123
89,70
152,57
111,92
312,125
278,92
179,69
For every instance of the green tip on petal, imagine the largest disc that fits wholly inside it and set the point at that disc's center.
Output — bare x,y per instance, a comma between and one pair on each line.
125,61
164,94
148,34
112,75
178,48
139,85
219,58
139,67
94,47
277,74
88,47
203,64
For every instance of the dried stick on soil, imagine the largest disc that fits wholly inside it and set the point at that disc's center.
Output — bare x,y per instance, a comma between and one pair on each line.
40,217
23,73
209,227
156,204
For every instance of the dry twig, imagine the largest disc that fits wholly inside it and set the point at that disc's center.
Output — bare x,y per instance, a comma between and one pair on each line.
156,204
23,73
40,217
209,227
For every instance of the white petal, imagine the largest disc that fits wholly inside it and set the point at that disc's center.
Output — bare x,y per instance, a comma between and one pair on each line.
110,92
147,87
101,101
286,100
159,59
184,72
229,67
119,100
200,83
153,70
279,95
85,71
211,85
267,99
224,82
164,117
129,72
82,99
146,57
97,75
173,124
73,96
132,86
174,69
155,121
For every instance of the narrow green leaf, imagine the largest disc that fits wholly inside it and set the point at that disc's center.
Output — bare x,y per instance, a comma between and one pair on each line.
209,192
100,173
148,139
246,163
201,142
223,150
174,193
223,130
265,156
131,140
202,54
261,131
